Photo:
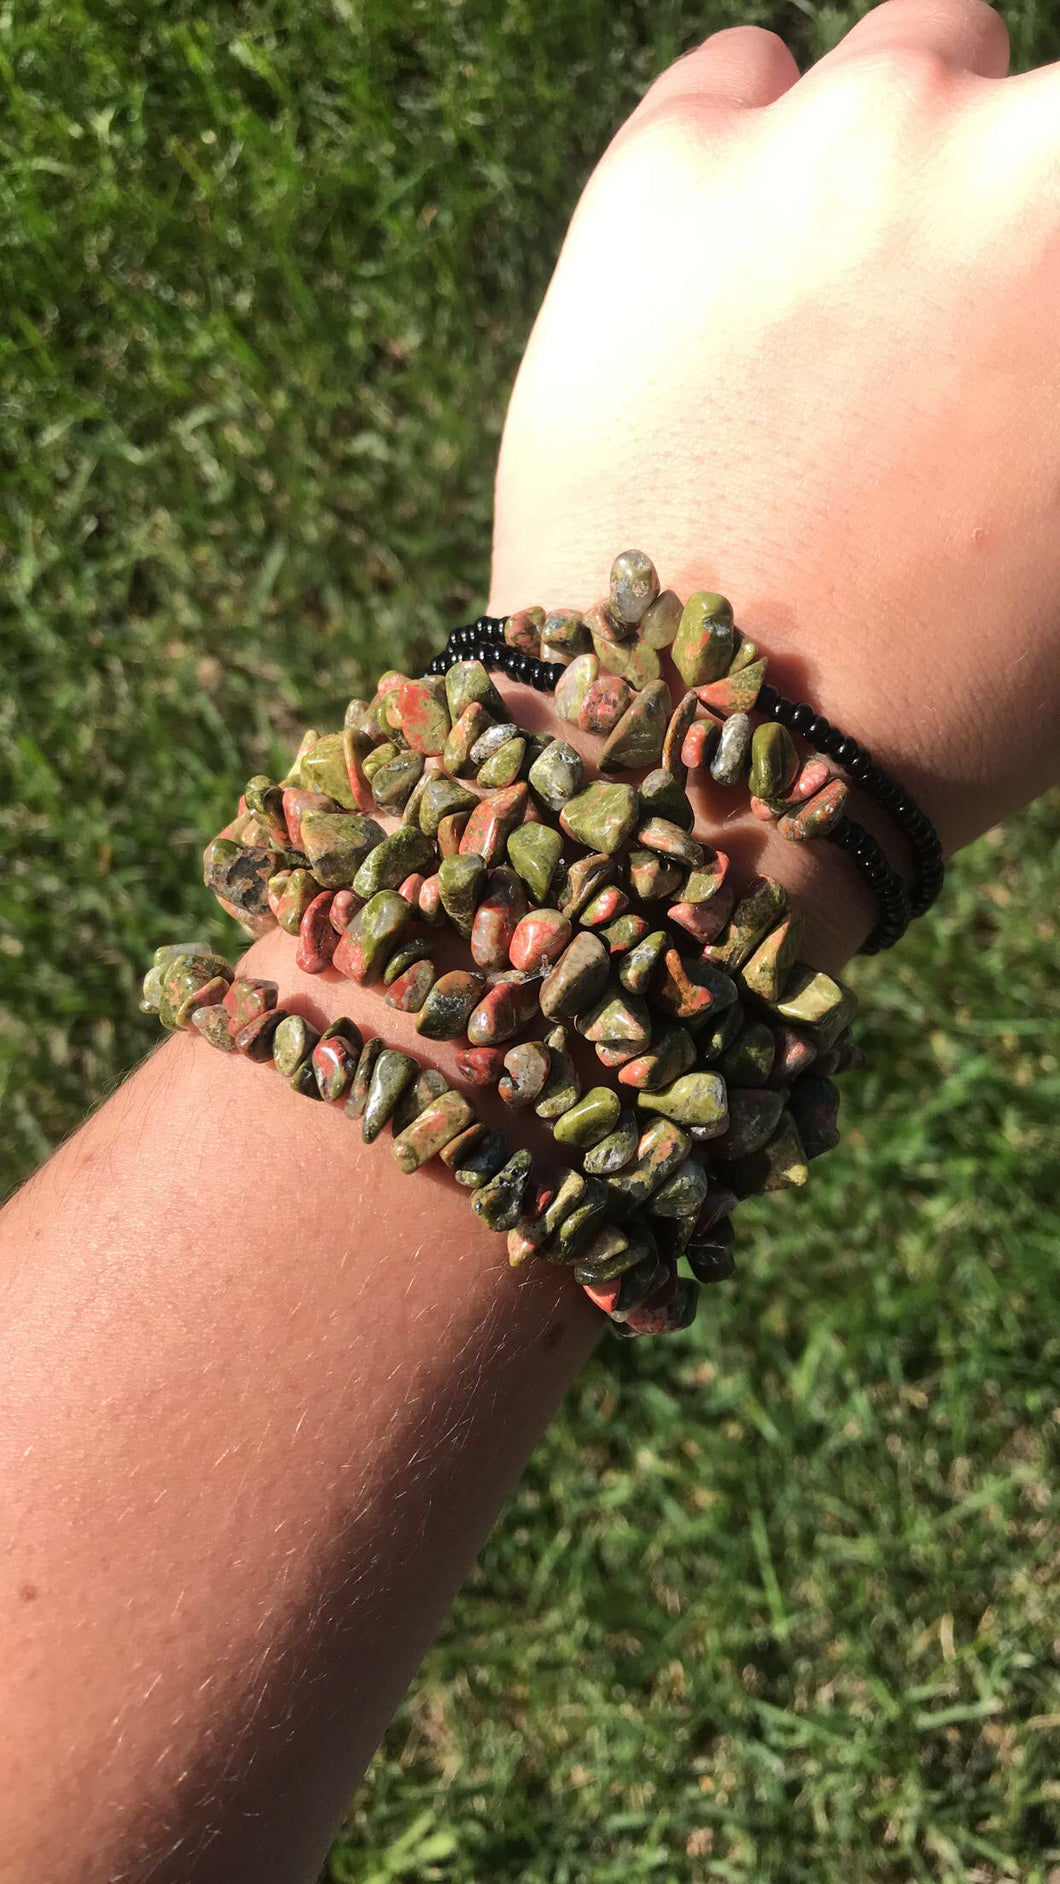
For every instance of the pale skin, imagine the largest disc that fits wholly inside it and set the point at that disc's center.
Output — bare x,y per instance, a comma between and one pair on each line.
262,1397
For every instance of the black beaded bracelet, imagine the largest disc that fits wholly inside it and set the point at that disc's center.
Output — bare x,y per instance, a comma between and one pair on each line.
484,640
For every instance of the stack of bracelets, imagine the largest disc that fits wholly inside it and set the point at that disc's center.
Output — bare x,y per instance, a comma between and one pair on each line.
587,907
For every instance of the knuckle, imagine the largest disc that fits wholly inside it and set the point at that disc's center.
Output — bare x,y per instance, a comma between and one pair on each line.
900,81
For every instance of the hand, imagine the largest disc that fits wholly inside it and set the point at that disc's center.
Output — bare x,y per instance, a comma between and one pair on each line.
800,346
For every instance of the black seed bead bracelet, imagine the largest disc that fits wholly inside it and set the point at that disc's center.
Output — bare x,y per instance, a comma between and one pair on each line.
916,827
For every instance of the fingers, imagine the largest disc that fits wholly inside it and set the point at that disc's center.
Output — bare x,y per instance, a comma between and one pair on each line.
740,67
966,34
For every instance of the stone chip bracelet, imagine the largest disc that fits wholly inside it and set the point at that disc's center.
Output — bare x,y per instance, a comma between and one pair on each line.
593,923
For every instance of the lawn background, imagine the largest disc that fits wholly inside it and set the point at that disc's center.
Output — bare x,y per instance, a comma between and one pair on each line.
772,1601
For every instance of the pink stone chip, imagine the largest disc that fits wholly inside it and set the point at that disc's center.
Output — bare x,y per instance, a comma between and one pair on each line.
705,921
480,1066
295,805
344,907
540,937
317,939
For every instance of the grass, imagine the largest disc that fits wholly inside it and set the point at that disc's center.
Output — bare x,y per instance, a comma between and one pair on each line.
772,1603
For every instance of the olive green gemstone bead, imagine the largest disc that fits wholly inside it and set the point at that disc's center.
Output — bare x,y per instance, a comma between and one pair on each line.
337,843
564,631
749,1060
616,1150
292,1043
672,1052
572,687
563,1087
637,740
379,756
468,681
464,734
291,892
810,997
774,761
779,1166
392,783
624,933
683,1192
634,586
212,1024
653,878
569,1192
556,775
400,854
610,1252
534,850
357,1098
448,1007
505,765
577,980
661,620
618,1018
594,1116
746,655
674,737
497,1203
582,882
526,1069
706,639
611,656
757,912
392,1072
181,977
324,770
461,881
430,1130
724,1030
662,795
454,1153
441,798
639,968
668,838
410,811
379,925
754,1114
692,1099
304,1080
579,1225
427,1086
767,970
735,693
816,816
409,991
660,1149
416,949
643,668
482,1161
602,817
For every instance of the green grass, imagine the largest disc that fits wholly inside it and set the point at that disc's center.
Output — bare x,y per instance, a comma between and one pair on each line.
772,1601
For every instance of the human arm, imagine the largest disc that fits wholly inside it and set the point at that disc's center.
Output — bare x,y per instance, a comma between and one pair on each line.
281,1432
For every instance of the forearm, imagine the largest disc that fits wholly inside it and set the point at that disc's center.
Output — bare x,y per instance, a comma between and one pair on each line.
265,1396
263,1399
